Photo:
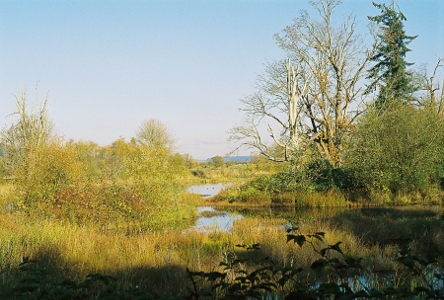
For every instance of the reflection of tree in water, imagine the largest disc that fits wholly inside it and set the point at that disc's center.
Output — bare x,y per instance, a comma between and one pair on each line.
421,229
212,213
400,212
286,212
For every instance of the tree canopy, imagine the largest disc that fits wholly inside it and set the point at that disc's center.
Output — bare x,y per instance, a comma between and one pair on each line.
389,75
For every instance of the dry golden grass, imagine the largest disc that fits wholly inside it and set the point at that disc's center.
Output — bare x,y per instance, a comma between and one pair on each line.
5,191
158,260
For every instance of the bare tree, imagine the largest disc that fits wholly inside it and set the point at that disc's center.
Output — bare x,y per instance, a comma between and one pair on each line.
325,85
433,92
278,98
153,133
31,129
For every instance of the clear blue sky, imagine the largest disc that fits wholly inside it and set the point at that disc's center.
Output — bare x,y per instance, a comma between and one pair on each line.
110,65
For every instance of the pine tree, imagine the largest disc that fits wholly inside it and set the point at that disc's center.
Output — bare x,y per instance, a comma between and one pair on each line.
389,74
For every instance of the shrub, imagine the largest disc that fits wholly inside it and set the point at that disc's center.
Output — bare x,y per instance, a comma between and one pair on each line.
218,161
46,168
323,176
401,149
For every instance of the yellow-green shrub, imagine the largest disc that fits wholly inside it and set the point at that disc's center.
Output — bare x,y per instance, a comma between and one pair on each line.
47,167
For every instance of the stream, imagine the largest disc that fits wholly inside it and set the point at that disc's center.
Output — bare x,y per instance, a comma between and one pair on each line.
211,219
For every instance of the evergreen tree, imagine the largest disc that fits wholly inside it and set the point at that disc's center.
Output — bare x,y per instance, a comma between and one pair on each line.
389,74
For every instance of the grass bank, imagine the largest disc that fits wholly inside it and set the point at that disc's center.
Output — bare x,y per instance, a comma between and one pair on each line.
332,190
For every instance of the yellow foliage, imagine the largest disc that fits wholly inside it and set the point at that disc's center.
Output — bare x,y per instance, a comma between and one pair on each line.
48,166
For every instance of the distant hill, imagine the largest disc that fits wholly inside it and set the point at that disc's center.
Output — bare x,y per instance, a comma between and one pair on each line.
234,158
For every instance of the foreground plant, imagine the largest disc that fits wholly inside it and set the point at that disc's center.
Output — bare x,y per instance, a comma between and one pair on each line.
338,276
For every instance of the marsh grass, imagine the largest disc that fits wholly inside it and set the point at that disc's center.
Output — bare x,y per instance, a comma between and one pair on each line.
157,260
6,190
235,195
250,195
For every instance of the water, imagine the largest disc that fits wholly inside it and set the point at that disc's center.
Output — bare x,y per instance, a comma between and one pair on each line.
213,220
222,218
208,190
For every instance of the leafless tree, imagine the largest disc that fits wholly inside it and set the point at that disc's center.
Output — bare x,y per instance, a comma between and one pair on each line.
325,85
278,98
433,92
32,129
153,133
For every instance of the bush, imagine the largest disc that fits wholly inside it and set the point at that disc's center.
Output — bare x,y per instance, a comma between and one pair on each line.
151,173
218,161
400,150
47,168
140,186
323,176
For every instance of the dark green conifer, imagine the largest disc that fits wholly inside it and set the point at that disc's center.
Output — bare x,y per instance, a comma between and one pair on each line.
389,74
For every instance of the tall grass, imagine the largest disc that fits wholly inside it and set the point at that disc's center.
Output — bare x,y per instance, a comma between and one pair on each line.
157,260
250,195
6,190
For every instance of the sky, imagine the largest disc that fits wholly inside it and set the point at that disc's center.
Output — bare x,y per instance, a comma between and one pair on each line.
109,65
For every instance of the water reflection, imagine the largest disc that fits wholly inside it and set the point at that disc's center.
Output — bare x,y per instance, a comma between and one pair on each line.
214,220
286,212
222,218
367,223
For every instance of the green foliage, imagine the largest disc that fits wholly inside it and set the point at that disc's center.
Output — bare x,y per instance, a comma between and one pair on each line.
190,162
252,195
279,183
109,186
323,176
218,161
399,150
2,169
178,163
152,174
389,73
319,175
90,155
